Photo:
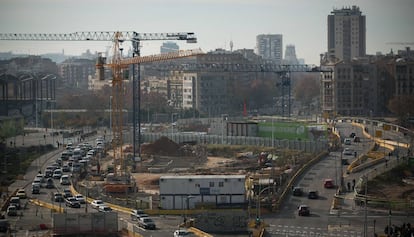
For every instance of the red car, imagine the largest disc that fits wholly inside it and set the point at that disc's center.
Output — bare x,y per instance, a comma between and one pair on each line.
303,210
328,183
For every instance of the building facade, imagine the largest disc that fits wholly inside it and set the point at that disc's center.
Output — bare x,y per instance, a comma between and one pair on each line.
190,191
76,72
168,47
290,55
346,34
270,47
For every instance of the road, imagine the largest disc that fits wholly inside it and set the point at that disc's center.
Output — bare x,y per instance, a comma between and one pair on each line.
323,221
347,222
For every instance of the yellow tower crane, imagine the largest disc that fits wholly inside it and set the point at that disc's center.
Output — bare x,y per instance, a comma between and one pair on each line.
120,179
118,64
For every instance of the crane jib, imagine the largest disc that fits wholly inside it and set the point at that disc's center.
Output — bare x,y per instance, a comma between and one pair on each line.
98,36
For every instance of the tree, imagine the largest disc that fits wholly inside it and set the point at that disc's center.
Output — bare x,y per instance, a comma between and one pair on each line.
307,88
402,107
8,129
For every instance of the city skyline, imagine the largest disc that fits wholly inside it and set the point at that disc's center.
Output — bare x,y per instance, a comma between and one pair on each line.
215,23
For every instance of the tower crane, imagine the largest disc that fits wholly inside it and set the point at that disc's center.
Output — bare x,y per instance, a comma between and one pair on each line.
117,64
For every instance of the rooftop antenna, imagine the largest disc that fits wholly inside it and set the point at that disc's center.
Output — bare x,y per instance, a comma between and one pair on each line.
231,45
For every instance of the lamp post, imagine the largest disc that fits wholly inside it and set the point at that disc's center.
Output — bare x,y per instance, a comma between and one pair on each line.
110,117
187,199
223,118
258,200
365,206
389,212
274,109
172,124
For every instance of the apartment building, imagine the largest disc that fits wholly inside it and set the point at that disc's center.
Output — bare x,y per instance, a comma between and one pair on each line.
76,72
270,47
346,34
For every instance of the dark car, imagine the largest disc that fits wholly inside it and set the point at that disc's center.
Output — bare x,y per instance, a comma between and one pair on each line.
58,197
328,183
303,210
50,183
72,202
352,135
297,191
4,225
313,194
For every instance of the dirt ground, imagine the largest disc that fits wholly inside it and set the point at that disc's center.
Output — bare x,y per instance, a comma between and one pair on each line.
149,181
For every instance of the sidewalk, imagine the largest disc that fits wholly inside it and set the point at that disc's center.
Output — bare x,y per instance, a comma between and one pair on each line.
346,200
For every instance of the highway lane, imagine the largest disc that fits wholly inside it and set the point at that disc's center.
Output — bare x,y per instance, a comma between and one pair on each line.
321,220
166,225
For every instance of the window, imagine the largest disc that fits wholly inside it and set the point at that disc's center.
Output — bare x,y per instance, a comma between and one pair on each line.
221,184
211,184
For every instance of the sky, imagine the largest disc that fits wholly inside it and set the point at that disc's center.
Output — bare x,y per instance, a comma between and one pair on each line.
216,23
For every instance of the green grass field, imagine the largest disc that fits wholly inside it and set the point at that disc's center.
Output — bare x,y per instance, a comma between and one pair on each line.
284,130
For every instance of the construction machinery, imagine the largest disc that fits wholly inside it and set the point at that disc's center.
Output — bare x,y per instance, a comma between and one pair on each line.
120,180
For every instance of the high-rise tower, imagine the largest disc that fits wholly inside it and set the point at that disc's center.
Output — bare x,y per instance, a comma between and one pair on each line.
346,34
270,47
290,55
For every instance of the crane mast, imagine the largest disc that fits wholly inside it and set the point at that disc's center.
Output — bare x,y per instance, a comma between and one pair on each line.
117,64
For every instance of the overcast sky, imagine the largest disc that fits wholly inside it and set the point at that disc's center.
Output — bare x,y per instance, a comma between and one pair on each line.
215,22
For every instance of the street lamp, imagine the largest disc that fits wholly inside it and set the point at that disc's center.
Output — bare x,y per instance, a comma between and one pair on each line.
172,124
223,118
110,117
188,206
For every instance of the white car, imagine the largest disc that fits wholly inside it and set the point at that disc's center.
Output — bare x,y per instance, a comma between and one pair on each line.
181,233
21,194
80,198
104,208
97,203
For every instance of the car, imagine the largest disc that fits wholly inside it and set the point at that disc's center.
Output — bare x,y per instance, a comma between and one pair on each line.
36,182
35,189
49,183
348,151
21,194
313,194
303,210
64,180
136,213
182,233
328,183
297,191
104,208
80,198
65,168
67,193
146,223
347,141
15,201
57,174
4,225
97,203
357,139
40,177
48,173
58,197
72,202
11,210
352,135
